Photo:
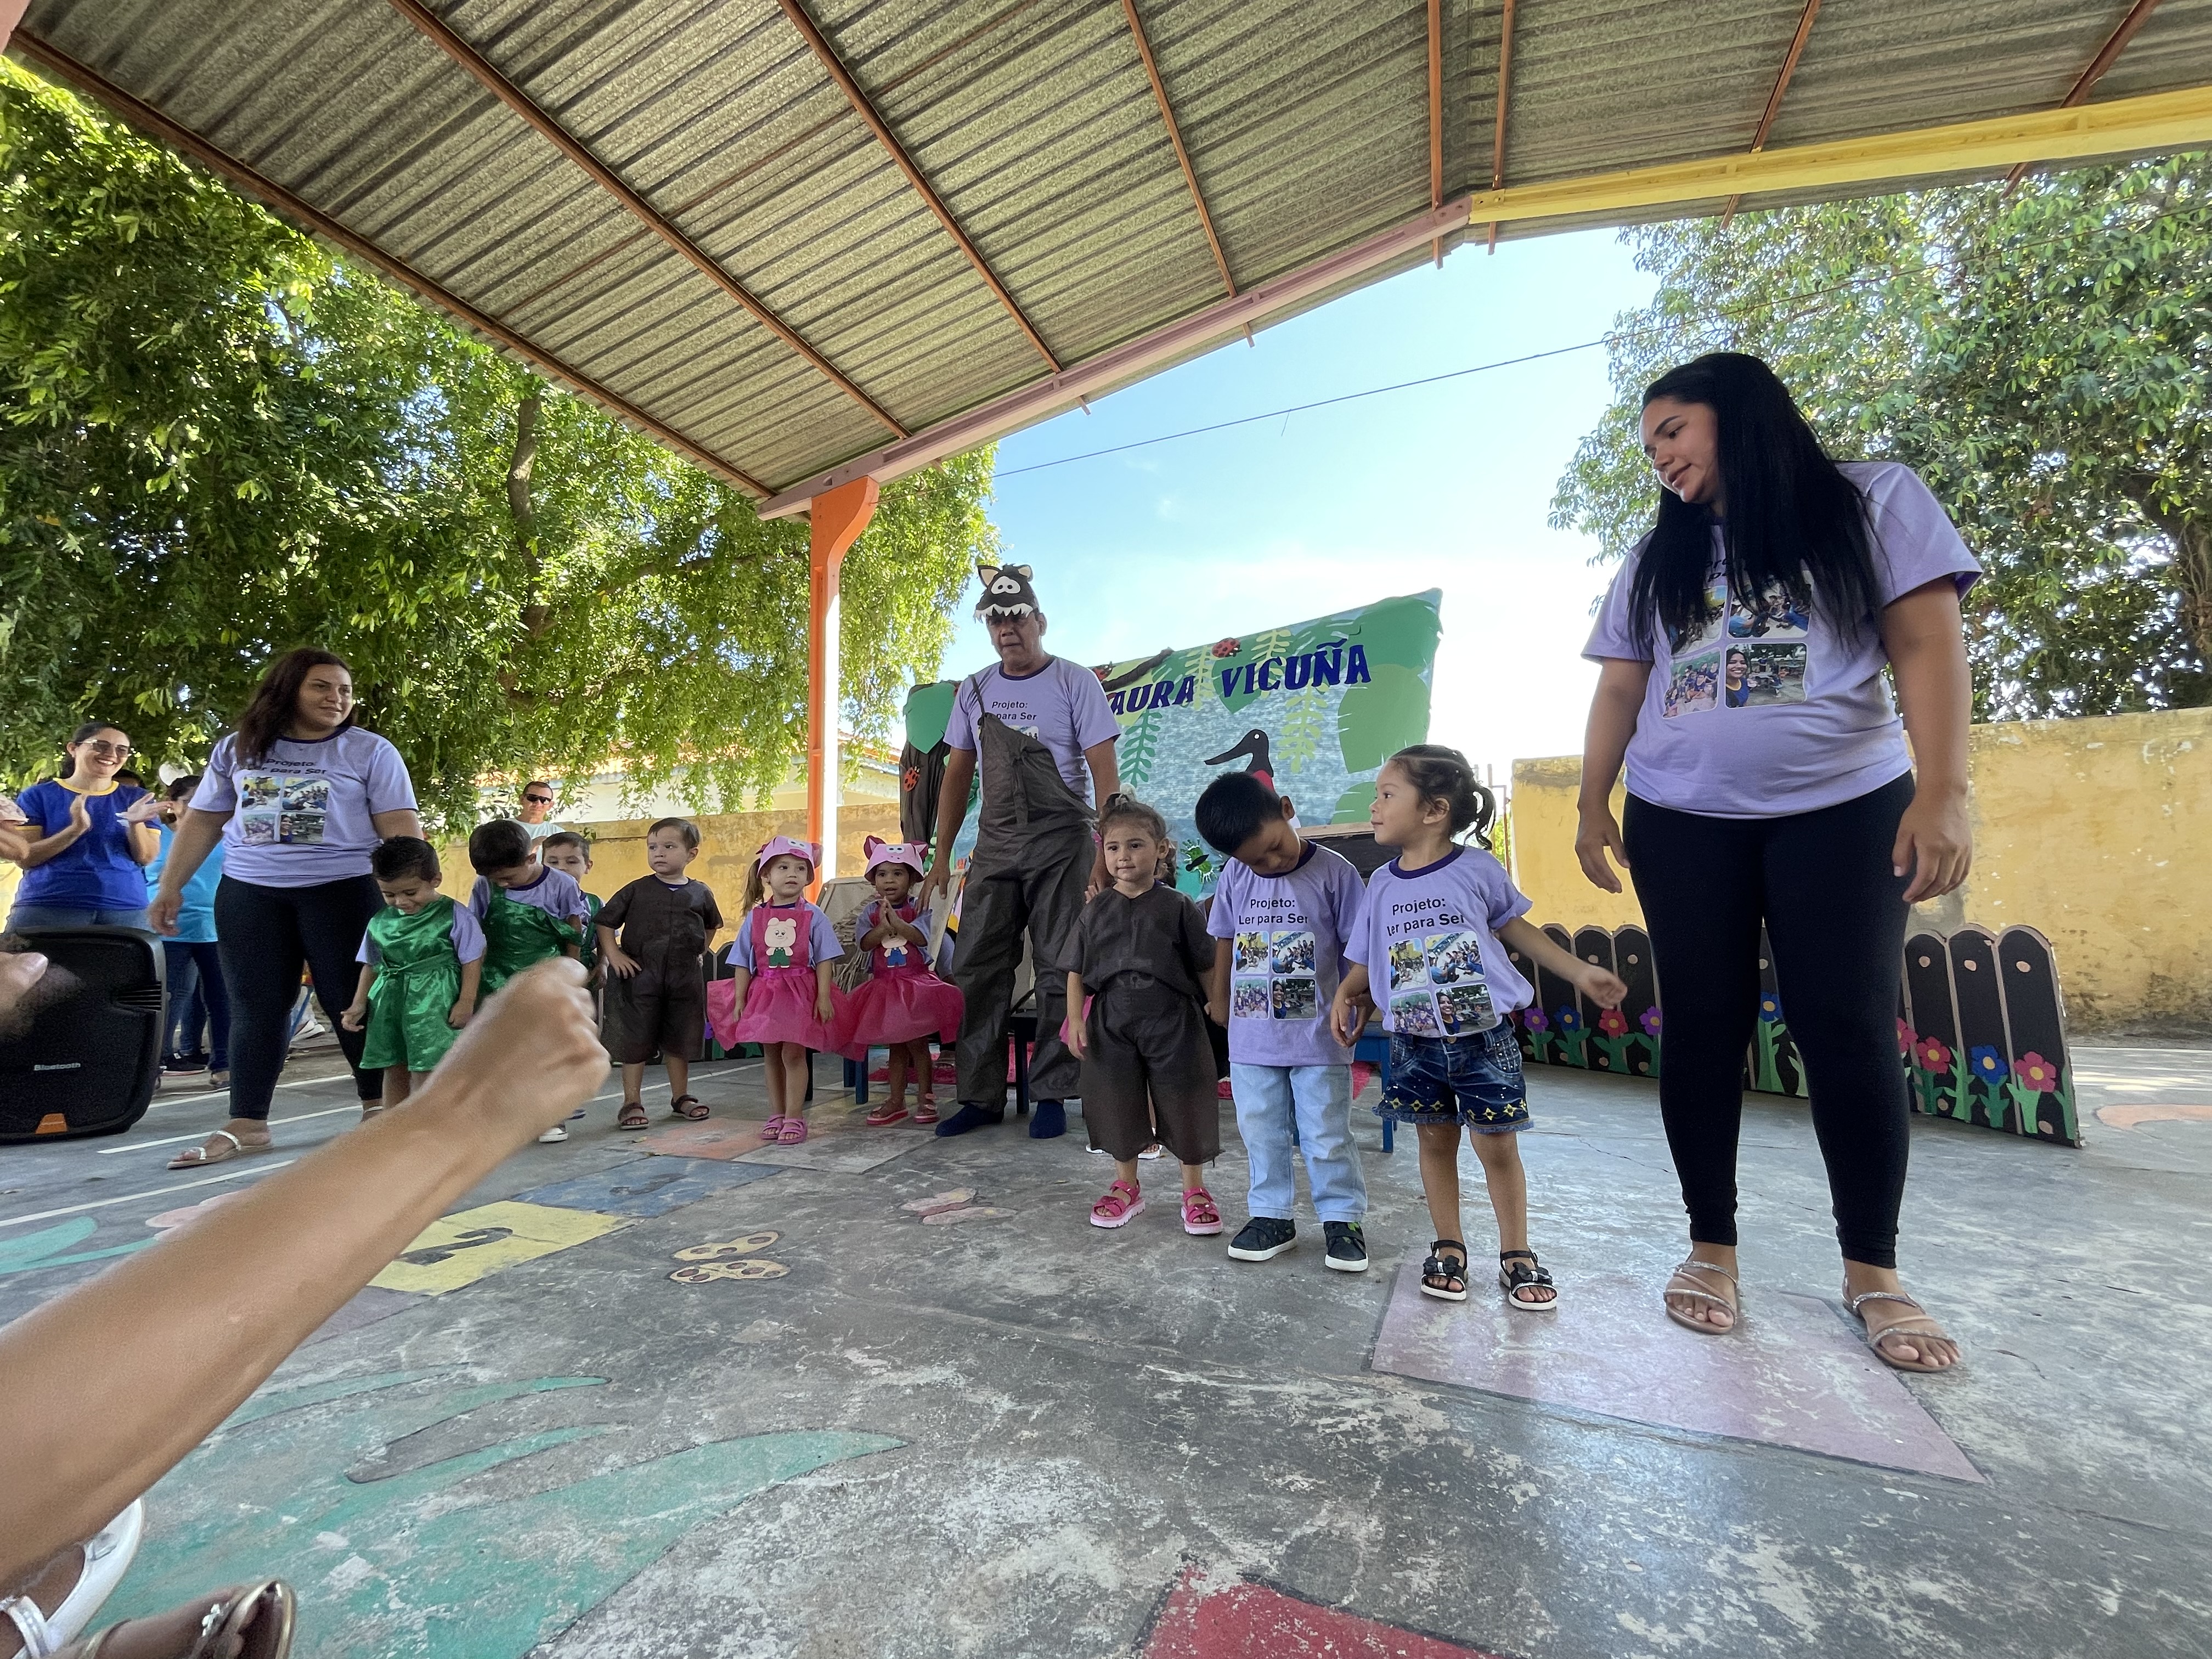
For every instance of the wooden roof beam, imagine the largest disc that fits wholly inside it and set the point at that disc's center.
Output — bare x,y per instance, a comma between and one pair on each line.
1175,137
151,122
827,55
1504,90
1774,98
2107,55
461,52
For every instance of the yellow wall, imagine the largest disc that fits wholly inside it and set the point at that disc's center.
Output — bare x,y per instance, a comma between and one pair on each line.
727,844
2096,832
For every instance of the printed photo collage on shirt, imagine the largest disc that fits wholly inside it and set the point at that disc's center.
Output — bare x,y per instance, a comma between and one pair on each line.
1437,984
1740,656
278,809
1273,975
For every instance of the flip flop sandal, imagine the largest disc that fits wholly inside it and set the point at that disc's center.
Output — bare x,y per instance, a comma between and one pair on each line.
926,1113
886,1115
370,1108
1734,1310
1121,1204
193,1157
1452,1271
107,1556
1519,1270
1921,1317
259,1619
632,1115
793,1134
692,1113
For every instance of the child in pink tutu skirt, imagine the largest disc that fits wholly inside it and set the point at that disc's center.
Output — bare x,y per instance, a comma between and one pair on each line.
901,1002
780,996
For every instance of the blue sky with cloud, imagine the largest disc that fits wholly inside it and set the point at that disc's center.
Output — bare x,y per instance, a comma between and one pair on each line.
1445,486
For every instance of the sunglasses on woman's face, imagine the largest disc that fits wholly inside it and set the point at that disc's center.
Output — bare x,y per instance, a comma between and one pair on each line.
119,750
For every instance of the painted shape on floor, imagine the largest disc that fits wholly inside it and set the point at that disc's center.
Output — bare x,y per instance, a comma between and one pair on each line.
972,1212
366,1306
704,1272
1796,1374
721,1140
1243,1618
647,1187
945,1200
49,1247
427,1562
2127,1117
714,1252
458,1249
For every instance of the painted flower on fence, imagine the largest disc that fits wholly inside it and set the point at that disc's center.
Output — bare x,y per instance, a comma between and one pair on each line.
1906,1037
2036,1072
1532,1018
1770,1008
1649,1022
1932,1055
1568,1019
1612,1023
1987,1064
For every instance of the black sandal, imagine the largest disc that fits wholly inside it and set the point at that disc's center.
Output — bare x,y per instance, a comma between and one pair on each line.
695,1111
1454,1274
632,1115
1524,1272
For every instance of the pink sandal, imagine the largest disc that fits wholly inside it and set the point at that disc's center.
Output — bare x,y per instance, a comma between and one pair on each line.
926,1112
772,1129
889,1112
793,1131
1121,1203
1201,1217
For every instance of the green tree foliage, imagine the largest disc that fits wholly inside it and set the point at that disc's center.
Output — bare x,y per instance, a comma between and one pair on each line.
217,441
2041,357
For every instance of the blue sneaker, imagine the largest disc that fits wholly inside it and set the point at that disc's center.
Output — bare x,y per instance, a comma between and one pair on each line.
1047,1119
971,1116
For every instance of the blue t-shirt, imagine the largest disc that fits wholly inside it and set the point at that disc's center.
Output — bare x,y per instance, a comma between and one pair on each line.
303,814
1061,705
95,872
196,920
1430,943
1288,934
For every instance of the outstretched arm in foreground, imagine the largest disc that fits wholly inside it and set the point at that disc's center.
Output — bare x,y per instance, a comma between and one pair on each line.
180,1337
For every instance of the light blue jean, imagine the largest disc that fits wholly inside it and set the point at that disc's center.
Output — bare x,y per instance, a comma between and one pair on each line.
1320,1096
64,916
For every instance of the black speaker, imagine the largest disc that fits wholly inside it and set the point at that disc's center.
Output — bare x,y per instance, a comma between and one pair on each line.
90,1058
1356,842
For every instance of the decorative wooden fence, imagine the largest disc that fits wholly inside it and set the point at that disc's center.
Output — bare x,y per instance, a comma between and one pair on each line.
1981,1027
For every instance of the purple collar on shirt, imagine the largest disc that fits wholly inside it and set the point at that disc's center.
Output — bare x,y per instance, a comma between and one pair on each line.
1426,869
1031,675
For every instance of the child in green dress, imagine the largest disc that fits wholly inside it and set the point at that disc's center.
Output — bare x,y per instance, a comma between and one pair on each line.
421,960
530,912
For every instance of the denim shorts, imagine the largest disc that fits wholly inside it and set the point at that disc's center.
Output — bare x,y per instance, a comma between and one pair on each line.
1474,1080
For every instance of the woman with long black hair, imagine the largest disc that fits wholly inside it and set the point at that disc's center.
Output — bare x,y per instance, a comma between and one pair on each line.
299,796
1791,800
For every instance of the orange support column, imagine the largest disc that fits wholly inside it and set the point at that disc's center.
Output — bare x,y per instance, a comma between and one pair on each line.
836,518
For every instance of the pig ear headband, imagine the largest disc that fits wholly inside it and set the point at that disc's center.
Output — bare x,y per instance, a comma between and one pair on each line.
785,847
881,852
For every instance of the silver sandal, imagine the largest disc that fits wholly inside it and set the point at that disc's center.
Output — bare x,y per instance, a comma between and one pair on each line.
1734,1308
1899,1327
196,1157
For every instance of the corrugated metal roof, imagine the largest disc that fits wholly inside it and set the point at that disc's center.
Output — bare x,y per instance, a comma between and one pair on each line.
1033,121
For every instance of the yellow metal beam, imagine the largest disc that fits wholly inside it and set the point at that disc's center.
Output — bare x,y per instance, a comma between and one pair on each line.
2161,121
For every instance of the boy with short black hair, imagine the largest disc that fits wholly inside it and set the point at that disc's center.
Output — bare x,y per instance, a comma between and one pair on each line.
420,961
1279,920
653,936
566,851
529,913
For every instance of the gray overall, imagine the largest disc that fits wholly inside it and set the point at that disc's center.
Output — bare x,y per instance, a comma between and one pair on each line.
1035,850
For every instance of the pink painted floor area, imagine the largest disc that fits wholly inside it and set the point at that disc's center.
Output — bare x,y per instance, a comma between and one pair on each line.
1794,1375
1239,1619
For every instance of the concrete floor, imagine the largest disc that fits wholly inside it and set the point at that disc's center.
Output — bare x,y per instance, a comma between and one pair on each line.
1013,1434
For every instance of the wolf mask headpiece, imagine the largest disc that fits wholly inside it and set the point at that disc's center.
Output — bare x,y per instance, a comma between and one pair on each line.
1007,592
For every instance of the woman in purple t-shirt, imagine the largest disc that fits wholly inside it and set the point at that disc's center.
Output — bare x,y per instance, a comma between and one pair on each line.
299,796
1741,650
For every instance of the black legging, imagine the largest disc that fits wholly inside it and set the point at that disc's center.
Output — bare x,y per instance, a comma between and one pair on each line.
266,934
1835,917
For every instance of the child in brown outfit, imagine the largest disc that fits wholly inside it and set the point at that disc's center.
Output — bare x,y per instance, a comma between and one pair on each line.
1142,950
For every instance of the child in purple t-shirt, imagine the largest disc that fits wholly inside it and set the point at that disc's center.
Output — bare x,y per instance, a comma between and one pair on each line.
1431,953
1280,918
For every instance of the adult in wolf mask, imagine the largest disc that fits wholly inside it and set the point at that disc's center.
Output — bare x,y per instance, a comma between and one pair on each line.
1038,730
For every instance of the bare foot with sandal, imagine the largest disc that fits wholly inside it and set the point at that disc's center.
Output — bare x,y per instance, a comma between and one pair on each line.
1704,1296
239,1138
